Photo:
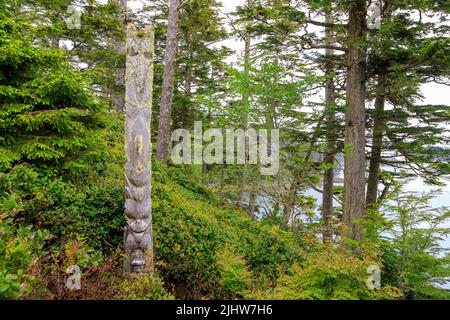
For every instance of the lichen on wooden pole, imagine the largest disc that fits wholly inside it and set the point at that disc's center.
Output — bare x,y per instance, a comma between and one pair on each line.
138,102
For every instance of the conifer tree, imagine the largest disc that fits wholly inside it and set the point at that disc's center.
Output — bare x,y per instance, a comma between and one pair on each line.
403,54
165,109
48,117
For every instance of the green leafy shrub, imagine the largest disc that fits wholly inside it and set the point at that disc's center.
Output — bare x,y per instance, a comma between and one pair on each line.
20,248
235,276
329,273
77,252
65,209
409,233
142,287
190,228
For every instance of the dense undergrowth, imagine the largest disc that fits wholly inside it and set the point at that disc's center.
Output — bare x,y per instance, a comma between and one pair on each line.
78,220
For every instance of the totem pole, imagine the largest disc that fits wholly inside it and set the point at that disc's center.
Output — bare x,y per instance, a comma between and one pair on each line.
138,102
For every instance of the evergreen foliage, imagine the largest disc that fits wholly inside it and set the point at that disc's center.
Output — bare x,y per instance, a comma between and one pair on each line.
49,117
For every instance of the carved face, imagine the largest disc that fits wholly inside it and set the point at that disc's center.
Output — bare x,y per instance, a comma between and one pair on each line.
138,261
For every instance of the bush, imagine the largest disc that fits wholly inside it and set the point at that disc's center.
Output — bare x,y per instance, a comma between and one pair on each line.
142,287
20,248
409,233
191,228
329,273
235,276
68,211
48,117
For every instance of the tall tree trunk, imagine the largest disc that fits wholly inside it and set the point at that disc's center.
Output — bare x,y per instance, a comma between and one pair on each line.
188,80
328,175
247,60
245,100
354,169
188,67
119,89
377,135
162,152
289,203
54,42
186,117
377,144
252,201
138,90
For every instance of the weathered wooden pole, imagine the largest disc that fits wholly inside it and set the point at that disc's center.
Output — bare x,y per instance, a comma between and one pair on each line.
138,102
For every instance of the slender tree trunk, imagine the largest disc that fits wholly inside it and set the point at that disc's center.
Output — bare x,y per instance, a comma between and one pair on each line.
252,201
354,169
245,100
138,90
328,175
288,205
377,144
54,42
221,182
378,133
327,200
188,68
205,179
247,60
188,79
119,89
162,152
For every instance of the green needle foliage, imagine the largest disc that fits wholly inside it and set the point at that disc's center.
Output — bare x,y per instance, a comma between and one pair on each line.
410,232
49,117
